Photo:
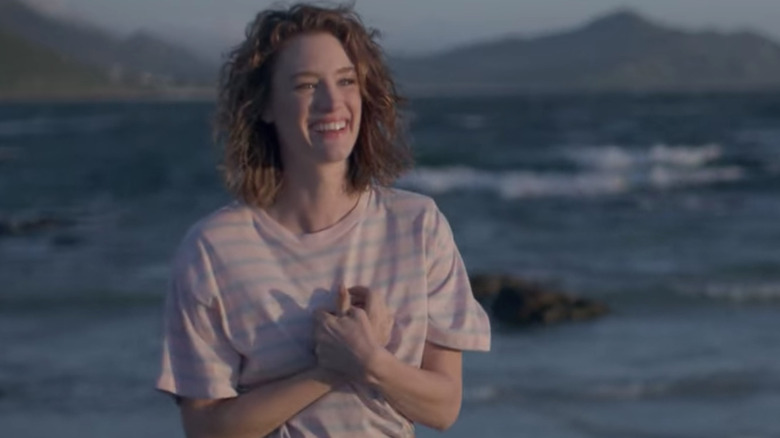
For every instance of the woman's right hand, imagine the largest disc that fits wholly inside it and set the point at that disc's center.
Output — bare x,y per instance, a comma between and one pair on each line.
376,309
347,337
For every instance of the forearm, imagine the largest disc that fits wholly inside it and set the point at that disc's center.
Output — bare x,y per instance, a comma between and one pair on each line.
259,411
423,396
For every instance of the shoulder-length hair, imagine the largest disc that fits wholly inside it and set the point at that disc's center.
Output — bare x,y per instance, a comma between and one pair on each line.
252,167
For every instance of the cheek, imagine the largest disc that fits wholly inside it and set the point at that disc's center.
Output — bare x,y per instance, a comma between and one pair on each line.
357,108
291,115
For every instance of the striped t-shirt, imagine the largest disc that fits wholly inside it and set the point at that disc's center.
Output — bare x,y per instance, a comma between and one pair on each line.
243,289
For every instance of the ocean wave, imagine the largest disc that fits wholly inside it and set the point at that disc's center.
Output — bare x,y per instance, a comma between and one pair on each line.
49,125
480,394
737,292
718,384
711,385
468,121
614,157
532,184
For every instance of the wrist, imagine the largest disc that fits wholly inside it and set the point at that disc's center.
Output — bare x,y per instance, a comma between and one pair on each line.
376,366
325,376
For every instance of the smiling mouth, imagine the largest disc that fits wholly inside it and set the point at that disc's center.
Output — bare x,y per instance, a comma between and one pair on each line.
329,126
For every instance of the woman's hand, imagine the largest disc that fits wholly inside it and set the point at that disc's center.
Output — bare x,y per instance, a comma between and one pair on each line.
376,309
348,340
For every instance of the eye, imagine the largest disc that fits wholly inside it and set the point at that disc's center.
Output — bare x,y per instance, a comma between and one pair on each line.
306,86
347,81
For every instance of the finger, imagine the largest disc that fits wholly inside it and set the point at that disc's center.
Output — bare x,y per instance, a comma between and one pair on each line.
342,300
375,305
359,314
358,295
321,315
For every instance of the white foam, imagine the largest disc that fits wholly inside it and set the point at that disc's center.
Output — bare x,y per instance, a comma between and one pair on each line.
530,184
620,158
738,292
666,177
480,393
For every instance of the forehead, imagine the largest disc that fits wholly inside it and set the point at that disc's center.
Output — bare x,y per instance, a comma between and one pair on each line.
319,53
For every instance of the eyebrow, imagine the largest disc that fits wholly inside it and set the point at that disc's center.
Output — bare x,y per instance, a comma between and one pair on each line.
342,70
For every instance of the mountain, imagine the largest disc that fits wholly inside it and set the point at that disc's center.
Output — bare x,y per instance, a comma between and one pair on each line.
32,67
618,52
141,60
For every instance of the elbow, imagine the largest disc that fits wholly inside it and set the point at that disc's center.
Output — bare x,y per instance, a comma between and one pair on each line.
446,416
203,420
443,423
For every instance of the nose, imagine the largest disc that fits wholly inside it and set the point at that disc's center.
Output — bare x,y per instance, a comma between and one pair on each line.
326,98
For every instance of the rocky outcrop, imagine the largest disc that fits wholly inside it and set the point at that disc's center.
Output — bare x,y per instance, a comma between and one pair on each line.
518,302
32,226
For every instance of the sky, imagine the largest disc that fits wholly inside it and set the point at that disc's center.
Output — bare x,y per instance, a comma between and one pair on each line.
416,26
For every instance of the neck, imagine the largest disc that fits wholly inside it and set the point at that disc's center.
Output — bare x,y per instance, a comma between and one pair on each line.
312,200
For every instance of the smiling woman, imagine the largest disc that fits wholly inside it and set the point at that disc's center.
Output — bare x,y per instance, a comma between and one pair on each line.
315,102
322,302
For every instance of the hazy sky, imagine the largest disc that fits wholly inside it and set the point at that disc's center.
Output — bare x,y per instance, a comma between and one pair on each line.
420,25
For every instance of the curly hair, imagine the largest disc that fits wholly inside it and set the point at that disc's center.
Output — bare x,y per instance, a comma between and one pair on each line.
252,167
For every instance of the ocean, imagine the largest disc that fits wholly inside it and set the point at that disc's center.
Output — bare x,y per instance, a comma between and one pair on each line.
665,207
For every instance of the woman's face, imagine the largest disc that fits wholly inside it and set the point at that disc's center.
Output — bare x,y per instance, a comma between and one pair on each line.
315,101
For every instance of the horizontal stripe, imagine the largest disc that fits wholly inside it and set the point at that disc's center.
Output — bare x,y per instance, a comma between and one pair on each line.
255,243
217,275
244,306
258,292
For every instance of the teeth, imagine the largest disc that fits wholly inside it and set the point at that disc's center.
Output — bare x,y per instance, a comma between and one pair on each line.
333,126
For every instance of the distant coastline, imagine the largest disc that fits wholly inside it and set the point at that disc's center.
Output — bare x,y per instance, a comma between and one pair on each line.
184,94
621,53
209,94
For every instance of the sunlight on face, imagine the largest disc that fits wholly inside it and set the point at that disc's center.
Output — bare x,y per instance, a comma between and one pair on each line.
315,102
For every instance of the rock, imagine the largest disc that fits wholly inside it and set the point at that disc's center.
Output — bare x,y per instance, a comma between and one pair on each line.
66,240
518,302
31,226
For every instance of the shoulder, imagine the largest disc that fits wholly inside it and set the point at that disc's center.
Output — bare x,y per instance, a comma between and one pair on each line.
418,211
228,223
231,219
397,201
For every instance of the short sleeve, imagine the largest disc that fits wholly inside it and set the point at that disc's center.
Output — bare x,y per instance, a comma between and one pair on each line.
455,318
198,360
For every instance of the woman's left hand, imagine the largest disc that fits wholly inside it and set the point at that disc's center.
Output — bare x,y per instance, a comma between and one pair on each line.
345,343
349,338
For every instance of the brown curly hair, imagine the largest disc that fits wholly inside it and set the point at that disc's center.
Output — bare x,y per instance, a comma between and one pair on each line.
252,167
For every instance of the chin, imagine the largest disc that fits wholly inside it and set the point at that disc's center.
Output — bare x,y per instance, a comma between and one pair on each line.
333,153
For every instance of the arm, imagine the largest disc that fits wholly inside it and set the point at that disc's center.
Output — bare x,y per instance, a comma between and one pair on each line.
261,410
430,395
258,412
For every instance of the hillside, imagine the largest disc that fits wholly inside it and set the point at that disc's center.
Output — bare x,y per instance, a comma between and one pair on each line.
619,52
139,60
36,70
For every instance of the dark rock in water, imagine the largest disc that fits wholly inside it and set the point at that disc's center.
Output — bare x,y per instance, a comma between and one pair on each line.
485,287
66,240
31,226
518,302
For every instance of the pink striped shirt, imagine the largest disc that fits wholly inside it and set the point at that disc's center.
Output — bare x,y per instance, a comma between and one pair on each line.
239,311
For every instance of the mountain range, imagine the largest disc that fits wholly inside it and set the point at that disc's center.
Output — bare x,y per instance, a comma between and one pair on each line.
620,52
109,64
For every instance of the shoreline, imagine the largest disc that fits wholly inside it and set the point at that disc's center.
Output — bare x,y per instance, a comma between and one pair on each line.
209,94
178,94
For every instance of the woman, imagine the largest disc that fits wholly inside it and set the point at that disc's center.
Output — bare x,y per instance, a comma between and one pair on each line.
322,303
